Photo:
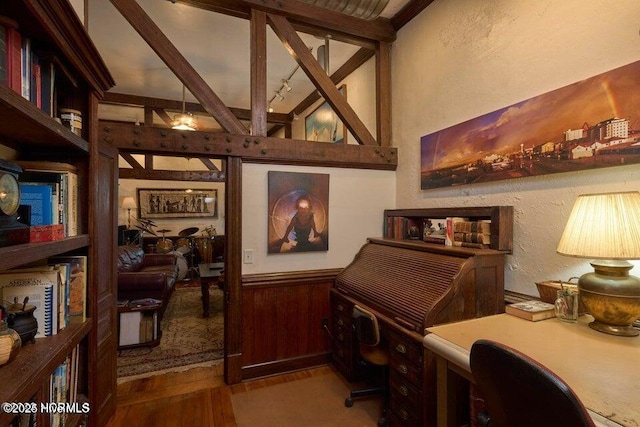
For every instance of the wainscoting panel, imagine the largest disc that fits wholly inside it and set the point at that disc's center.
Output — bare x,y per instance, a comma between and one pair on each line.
282,317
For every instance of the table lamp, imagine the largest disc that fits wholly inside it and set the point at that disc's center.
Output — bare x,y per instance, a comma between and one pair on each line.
128,203
606,227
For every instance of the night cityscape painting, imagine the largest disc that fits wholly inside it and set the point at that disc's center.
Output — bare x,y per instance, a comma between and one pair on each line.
593,123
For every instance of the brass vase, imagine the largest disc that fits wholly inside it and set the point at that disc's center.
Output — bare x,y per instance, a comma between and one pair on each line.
9,343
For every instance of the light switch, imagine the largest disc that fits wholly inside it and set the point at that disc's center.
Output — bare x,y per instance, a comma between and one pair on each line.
248,256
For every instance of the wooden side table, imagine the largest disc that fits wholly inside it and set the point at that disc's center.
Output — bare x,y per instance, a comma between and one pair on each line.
133,327
210,272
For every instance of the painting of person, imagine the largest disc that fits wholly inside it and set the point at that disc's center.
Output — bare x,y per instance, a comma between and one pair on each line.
298,212
303,226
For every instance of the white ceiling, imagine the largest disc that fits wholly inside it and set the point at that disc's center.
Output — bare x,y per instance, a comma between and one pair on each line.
216,45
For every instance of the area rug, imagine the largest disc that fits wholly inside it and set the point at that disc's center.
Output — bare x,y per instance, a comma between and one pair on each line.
311,402
188,340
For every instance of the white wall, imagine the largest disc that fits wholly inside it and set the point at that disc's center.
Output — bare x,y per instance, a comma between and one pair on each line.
357,199
461,59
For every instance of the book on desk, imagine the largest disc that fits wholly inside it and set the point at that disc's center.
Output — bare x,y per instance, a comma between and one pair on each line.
533,310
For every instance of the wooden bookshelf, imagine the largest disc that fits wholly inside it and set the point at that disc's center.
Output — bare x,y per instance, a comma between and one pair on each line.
28,133
501,218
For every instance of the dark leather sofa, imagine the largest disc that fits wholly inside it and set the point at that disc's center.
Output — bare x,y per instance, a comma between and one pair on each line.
143,275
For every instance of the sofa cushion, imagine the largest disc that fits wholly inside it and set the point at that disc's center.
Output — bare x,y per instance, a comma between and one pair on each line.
129,258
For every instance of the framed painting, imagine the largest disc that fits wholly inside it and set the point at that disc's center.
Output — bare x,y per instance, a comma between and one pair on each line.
593,123
298,212
324,125
154,203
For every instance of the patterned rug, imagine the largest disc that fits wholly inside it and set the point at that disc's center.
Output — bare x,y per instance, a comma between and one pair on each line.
188,340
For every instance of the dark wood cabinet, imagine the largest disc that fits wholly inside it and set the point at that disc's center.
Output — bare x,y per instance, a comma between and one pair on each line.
29,131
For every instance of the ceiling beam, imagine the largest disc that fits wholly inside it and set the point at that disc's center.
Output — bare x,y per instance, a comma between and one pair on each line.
193,107
258,53
129,138
296,47
408,12
169,175
308,19
209,164
177,63
131,160
352,64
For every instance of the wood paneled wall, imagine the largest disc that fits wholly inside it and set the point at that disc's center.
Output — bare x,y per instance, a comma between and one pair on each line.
282,317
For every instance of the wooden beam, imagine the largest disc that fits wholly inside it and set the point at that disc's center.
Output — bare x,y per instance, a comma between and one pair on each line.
209,164
171,105
407,13
352,64
169,175
383,94
308,19
131,160
258,73
163,115
177,63
253,149
323,83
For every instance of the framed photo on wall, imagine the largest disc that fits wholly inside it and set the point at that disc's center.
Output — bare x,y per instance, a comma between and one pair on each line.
324,125
156,203
298,212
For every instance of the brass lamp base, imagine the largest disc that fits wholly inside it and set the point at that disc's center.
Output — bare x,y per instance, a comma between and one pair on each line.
612,297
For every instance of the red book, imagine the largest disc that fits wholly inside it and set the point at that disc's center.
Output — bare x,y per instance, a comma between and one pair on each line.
14,54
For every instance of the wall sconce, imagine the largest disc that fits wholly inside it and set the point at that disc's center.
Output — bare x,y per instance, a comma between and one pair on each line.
606,228
128,203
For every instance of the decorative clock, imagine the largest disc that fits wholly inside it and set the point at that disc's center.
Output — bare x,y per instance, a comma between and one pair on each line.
12,232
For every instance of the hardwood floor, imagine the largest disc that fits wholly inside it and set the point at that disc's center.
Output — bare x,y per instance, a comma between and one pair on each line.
197,398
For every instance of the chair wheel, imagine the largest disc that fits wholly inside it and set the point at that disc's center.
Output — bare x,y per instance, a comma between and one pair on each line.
348,402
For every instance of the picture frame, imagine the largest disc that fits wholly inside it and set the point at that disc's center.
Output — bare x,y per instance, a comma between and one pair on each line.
324,125
298,217
592,123
161,203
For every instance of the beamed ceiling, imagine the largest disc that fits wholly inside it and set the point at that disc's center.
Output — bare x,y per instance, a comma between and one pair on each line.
232,57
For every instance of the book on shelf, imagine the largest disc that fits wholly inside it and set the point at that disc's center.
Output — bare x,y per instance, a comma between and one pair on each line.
77,284
449,234
533,310
41,288
482,226
25,68
64,179
40,198
11,54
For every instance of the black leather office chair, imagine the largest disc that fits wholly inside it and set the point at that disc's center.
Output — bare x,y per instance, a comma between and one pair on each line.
375,353
520,392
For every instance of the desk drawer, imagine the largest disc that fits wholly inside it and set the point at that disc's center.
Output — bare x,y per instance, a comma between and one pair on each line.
400,415
402,346
405,392
403,368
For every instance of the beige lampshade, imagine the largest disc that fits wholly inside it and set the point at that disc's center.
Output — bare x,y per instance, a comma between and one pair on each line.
128,203
603,226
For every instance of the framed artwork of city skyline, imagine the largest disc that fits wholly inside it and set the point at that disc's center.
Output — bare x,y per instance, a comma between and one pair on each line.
593,123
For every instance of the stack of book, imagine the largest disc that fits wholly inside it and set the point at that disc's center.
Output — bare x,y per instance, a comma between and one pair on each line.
57,290
49,200
26,69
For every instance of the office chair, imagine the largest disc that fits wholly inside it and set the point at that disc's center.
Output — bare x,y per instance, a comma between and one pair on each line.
521,392
374,352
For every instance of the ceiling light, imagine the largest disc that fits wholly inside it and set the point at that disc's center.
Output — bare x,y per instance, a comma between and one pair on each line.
184,120
285,85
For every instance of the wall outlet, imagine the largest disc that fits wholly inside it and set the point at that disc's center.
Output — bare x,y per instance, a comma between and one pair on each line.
247,257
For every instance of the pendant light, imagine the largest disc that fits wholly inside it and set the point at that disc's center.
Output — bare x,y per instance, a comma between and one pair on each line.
184,120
